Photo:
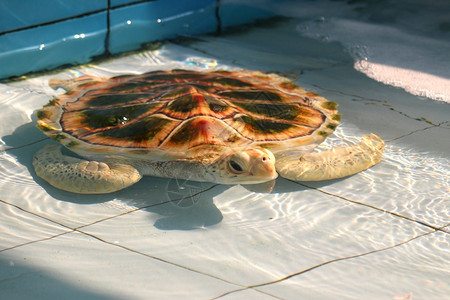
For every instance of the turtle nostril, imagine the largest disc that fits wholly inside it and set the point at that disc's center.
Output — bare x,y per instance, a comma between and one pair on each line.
264,158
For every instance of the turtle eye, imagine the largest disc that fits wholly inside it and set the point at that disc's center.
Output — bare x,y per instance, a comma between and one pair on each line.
235,166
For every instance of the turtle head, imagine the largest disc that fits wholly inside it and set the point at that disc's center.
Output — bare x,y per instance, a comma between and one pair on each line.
246,166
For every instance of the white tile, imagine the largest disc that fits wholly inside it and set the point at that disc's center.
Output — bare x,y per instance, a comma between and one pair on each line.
417,269
19,185
262,237
432,141
17,106
250,50
357,93
75,266
248,294
18,227
413,184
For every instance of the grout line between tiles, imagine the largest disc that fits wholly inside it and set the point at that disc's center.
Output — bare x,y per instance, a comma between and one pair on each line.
36,241
418,130
124,248
150,256
169,262
181,41
92,223
25,145
332,261
380,102
35,214
77,229
107,242
423,223
155,257
146,206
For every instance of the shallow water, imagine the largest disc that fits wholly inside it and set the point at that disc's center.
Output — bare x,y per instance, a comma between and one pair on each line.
405,44
380,234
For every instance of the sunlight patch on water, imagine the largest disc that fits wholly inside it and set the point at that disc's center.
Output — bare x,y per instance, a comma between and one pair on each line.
414,82
389,55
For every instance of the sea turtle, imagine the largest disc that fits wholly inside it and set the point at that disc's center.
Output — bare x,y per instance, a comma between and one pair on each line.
230,127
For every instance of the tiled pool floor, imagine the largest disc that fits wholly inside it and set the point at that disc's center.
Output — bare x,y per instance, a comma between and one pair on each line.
381,234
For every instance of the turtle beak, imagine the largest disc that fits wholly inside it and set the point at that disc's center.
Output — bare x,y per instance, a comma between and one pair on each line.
260,165
263,165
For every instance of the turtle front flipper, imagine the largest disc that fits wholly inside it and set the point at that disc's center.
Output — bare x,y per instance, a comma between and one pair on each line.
81,176
335,163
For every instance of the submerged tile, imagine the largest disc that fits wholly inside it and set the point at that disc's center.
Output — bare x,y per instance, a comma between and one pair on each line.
415,270
75,265
20,186
247,294
261,49
17,227
432,140
18,105
408,182
257,237
371,105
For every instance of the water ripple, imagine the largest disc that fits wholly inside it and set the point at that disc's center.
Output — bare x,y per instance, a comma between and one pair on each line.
12,172
19,228
407,182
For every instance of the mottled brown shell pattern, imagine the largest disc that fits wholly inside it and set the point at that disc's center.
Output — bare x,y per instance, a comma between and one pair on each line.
177,110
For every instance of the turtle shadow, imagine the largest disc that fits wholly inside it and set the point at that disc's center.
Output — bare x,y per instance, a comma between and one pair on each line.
180,205
177,210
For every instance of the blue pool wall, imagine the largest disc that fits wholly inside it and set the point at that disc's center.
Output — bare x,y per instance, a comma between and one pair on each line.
39,35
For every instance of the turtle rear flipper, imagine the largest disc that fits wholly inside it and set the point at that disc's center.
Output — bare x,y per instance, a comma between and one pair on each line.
332,164
81,176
